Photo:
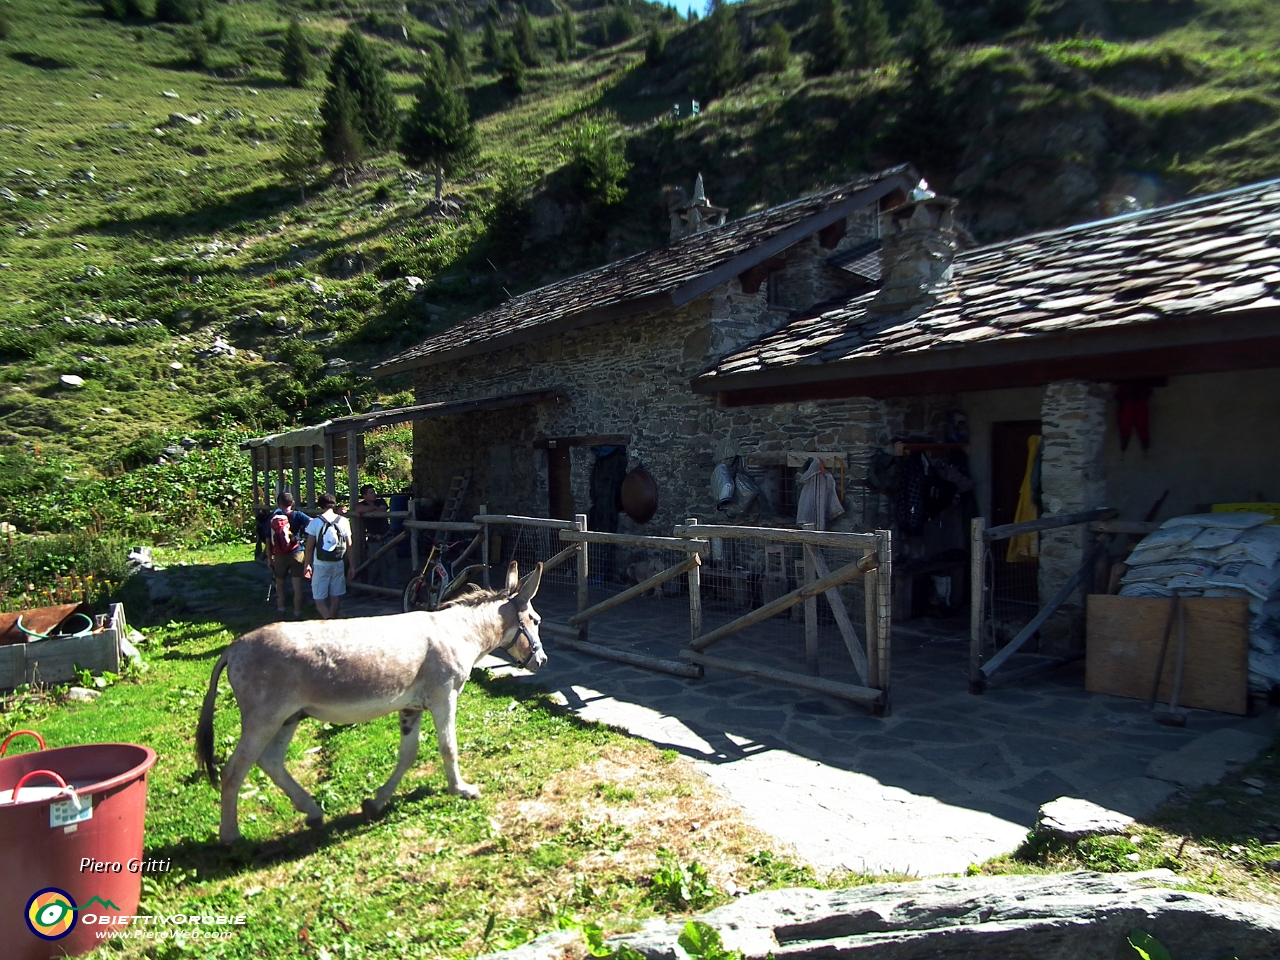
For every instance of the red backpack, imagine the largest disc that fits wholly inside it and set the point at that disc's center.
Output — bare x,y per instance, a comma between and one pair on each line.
282,539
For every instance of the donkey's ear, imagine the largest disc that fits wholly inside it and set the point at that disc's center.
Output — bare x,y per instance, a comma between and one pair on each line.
513,577
529,585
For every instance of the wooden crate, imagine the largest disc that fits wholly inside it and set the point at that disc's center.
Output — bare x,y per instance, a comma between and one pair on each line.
56,660
1123,646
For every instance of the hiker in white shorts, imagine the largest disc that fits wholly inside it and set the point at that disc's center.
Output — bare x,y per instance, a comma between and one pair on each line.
328,557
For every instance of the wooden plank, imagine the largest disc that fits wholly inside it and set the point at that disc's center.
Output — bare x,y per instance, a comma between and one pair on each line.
871,620
445,408
566,554
279,471
381,550
455,526
295,462
582,616
833,688
1140,527
380,591
526,521
598,440
353,482
1048,610
584,573
687,544
388,514
841,575
810,614
839,612
330,483
819,538
310,465
1007,530
884,611
1123,646
1035,669
566,637
977,596
695,594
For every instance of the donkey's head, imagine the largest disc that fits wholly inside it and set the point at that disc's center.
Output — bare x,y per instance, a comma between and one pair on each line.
521,639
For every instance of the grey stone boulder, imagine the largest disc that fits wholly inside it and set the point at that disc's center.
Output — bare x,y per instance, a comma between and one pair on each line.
1061,917
1071,818
550,946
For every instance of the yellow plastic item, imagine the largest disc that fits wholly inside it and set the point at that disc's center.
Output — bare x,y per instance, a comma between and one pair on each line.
1271,508
1025,547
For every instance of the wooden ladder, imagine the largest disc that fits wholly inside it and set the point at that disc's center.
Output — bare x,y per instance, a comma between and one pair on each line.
457,493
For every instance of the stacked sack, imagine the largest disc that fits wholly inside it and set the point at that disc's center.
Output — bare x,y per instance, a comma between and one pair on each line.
1218,555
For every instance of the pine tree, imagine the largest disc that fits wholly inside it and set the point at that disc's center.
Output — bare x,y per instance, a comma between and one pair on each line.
511,68
656,46
197,46
831,39
924,42
566,35
180,11
438,131
870,31
455,50
777,48
300,156
490,42
525,37
721,62
340,131
295,60
357,68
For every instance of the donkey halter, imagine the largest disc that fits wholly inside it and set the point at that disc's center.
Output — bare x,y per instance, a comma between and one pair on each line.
535,645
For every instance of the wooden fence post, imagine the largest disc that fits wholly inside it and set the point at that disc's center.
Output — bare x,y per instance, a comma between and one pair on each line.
295,456
310,464
484,545
353,481
884,611
810,617
584,572
413,537
330,483
695,595
977,598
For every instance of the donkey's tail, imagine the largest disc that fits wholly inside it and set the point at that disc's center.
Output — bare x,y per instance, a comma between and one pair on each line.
205,761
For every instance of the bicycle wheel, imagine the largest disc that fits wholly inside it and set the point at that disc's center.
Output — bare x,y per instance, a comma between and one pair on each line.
415,595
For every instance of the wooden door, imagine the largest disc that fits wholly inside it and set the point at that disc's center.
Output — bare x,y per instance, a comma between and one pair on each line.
559,488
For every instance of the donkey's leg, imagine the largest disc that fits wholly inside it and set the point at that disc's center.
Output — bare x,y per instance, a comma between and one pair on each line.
410,723
272,761
254,737
444,711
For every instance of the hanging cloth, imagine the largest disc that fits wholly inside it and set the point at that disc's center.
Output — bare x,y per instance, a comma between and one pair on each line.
819,501
1025,547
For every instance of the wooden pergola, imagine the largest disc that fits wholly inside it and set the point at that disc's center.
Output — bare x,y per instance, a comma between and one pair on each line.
289,460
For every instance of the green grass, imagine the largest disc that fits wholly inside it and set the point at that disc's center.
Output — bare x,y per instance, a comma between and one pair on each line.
578,823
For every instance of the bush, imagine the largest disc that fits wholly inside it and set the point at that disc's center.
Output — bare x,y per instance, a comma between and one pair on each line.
679,886
197,46
777,48
617,25
597,161
83,567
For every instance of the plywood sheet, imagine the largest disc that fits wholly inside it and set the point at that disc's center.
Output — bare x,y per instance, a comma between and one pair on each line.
1123,647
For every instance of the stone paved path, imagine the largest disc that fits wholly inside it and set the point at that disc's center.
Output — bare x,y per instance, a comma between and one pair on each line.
946,780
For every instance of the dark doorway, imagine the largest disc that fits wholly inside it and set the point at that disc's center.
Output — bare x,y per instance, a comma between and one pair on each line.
1008,466
559,488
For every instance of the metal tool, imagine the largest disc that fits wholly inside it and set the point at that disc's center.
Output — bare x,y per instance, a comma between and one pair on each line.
1164,649
1173,717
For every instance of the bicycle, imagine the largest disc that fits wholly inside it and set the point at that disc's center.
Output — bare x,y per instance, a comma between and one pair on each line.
437,582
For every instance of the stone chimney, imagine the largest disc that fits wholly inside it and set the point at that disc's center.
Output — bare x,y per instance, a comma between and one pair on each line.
694,216
918,238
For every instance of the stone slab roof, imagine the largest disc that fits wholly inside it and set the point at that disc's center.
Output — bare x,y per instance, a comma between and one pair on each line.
668,276
1211,257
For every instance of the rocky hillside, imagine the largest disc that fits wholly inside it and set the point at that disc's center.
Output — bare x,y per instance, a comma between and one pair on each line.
162,269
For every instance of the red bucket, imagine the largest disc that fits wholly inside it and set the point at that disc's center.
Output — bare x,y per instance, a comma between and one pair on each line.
71,854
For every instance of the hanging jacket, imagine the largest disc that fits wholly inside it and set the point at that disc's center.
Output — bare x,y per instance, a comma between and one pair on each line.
819,501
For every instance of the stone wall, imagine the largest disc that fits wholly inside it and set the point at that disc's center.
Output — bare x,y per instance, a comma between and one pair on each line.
1073,419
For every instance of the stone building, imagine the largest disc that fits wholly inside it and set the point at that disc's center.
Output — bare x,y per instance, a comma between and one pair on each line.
844,320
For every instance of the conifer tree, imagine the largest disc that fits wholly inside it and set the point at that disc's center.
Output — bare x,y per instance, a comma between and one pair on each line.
870,32
656,46
340,132
566,35
721,66
525,37
924,42
830,46
357,68
777,48
511,68
300,156
438,132
455,50
295,60
491,43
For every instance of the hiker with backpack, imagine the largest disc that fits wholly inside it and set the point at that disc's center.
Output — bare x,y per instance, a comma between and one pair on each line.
284,551
328,556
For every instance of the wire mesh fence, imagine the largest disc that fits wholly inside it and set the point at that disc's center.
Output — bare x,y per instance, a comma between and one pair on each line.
1011,593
